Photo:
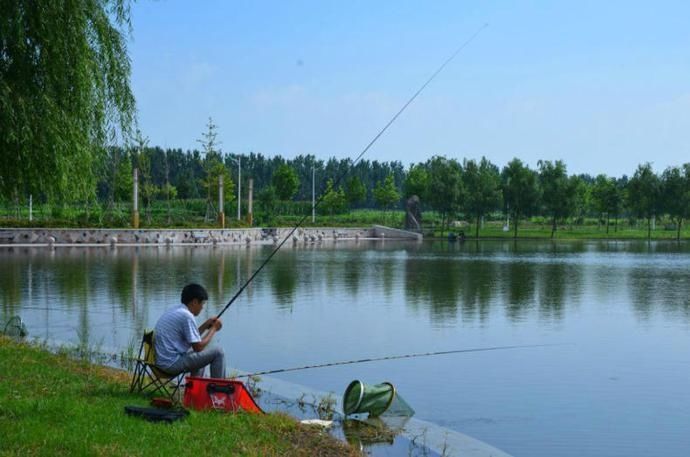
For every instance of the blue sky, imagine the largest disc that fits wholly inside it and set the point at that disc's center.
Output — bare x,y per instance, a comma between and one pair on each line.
602,86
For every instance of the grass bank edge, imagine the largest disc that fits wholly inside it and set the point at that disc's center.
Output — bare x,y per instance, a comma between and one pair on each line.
51,404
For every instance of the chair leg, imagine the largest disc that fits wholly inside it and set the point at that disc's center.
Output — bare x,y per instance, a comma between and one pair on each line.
179,383
145,379
138,371
135,385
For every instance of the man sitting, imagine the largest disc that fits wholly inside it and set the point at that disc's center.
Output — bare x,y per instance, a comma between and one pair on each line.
176,333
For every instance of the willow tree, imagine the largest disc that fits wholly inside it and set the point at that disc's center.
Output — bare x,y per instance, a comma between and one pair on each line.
64,93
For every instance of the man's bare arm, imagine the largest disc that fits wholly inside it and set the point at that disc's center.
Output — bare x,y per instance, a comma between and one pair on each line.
213,325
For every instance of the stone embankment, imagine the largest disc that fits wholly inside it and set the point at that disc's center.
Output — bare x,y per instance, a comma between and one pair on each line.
101,237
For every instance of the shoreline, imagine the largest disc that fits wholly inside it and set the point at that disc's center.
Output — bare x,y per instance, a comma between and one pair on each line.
197,237
82,413
105,237
435,438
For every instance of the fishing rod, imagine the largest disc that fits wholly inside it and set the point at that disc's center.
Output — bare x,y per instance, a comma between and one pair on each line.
357,159
394,357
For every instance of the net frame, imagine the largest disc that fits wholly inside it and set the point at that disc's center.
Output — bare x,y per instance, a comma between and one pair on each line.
376,400
15,328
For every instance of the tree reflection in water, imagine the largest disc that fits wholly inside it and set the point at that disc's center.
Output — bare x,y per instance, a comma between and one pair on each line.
467,281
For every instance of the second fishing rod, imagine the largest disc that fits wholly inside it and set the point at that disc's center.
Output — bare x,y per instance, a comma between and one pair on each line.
342,175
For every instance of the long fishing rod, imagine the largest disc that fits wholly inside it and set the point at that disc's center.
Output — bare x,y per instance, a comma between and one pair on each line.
357,159
395,357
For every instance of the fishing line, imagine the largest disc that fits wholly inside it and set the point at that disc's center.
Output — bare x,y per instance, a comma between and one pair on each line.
357,159
395,357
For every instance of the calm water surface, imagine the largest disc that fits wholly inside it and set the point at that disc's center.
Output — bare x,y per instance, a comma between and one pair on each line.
619,389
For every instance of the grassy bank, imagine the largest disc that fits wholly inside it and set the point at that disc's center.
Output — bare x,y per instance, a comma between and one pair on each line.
183,214
187,214
53,405
532,230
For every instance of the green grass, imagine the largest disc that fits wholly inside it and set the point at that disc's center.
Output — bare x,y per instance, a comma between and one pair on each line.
53,405
530,230
191,214
353,218
184,214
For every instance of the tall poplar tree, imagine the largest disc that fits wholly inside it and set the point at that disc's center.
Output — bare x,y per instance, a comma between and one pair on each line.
644,191
386,194
285,181
675,194
482,189
445,187
520,191
558,191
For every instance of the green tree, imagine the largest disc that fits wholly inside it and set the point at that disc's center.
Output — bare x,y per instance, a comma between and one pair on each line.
606,198
213,167
445,187
385,194
334,201
355,192
64,90
215,170
520,191
482,185
168,191
582,197
267,200
558,191
285,182
114,175
417,182
675,194
644,191
142,162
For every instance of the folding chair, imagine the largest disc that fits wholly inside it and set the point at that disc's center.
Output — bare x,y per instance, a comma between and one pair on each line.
147,377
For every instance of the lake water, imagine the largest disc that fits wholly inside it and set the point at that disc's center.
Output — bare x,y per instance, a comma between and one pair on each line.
619,387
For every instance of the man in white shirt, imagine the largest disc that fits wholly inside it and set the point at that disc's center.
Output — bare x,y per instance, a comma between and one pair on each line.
176,333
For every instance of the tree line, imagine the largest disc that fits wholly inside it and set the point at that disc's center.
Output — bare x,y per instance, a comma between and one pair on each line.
469,189
168,174
478,188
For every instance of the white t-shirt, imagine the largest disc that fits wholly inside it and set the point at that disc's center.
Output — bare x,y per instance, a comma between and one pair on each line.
174,335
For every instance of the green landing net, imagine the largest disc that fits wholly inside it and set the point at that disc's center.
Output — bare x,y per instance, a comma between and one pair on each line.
376,400
15,328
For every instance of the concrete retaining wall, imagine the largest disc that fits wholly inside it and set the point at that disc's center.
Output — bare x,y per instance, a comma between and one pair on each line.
43,236
380,231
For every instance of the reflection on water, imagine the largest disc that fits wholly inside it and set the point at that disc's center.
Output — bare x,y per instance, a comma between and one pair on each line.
284,281
315,304
446,281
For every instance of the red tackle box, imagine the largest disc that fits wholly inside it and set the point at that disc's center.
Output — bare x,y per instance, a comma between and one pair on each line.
219,394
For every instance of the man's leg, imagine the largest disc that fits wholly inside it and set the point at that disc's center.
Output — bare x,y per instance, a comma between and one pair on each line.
195,362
